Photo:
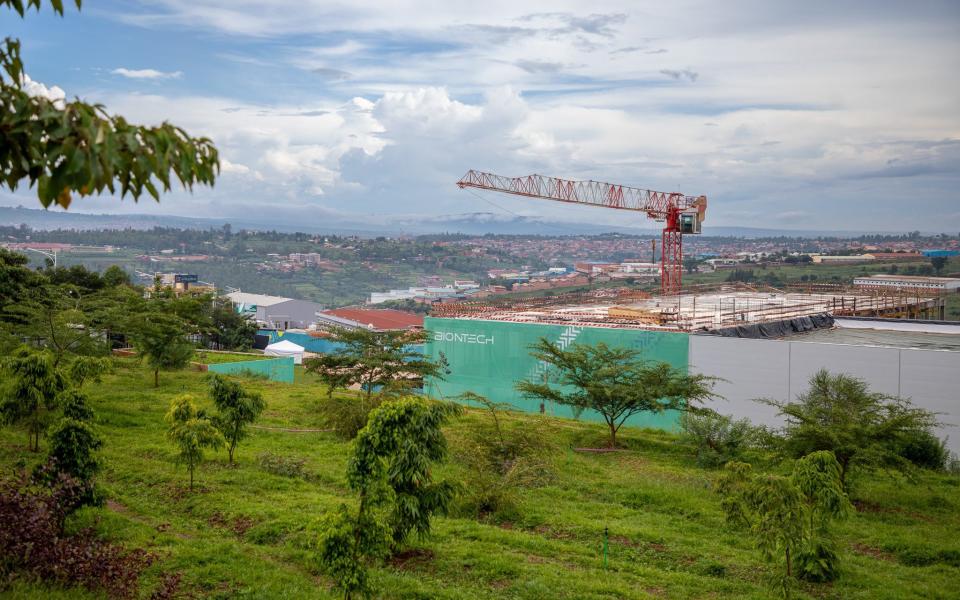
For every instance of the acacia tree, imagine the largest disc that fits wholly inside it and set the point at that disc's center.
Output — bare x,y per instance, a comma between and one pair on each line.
192,431
614,382
391,472
861,428
236,408
388,360
161,338
67,148
31,397
790,518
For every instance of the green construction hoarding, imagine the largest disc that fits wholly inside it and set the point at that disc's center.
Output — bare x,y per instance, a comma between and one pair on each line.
489,357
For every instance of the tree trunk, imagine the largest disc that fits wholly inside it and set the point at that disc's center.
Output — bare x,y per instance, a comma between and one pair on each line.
233,446
191,478
789,570
156,378
613,434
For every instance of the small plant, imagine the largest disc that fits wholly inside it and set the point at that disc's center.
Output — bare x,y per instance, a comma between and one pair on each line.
74,443
33,541
717,438
391,472
790,518
31,399
283,466
192,431
501,460
236,408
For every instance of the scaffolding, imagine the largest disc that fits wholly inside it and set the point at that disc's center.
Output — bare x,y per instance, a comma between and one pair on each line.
700,308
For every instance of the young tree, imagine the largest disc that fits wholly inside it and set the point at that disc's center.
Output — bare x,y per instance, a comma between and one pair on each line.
790,518
162,339
861,428
613,382
73,444
374,359
192,431
31,398
391,471
64,148
236,408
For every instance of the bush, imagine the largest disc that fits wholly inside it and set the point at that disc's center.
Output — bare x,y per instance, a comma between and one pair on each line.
281,465
347,415
925,450
500,460
717,438
32,539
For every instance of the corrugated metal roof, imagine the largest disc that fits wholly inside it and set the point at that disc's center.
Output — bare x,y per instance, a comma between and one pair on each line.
256,299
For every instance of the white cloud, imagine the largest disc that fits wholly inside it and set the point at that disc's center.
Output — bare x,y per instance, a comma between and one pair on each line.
35,88
147,73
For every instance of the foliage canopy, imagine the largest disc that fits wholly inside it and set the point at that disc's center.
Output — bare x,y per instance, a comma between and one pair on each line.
65,148
612,381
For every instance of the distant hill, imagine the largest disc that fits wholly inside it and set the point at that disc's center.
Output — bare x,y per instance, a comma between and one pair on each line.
468,223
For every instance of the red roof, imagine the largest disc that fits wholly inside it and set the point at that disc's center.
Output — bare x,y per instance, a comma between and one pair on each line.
380,318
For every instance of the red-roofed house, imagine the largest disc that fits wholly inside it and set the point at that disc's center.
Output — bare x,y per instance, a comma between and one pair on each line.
380,319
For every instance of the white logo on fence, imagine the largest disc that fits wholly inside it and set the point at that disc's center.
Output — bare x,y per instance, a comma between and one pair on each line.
463,338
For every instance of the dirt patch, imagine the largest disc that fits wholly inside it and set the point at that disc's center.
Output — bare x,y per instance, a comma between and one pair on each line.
554,534
866,506
500,584
238,525
117,507
624,541
877,553
411,559
657,592
290,429
537,560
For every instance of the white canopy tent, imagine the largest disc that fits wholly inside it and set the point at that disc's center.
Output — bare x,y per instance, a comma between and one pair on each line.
285,348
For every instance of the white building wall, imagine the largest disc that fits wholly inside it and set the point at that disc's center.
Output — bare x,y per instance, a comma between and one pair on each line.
780,370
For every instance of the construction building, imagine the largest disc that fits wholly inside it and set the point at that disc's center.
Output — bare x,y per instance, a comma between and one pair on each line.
760,341
908,282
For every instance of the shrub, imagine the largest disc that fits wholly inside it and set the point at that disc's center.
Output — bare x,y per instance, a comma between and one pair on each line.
347,415
281,465
925,450
717,438
32,539
500,460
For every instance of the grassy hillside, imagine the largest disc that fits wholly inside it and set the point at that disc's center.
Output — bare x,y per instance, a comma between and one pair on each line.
243,533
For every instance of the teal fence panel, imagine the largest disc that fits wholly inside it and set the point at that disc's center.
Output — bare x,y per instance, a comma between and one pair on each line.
490,357
275,369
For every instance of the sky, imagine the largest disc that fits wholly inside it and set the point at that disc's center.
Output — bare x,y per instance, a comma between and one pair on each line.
790,115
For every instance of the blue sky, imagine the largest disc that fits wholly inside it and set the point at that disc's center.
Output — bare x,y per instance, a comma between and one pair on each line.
813,115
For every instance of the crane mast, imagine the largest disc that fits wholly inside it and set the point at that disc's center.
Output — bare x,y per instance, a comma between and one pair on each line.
680,214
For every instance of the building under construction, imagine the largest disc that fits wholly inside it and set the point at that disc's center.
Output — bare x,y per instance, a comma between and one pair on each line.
758,340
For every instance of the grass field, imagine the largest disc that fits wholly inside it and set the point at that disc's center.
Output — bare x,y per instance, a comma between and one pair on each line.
212,358
243,532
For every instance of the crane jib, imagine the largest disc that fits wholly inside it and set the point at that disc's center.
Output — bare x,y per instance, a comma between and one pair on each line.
683,214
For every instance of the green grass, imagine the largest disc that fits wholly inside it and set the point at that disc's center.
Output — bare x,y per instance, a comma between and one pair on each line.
244,531
212,358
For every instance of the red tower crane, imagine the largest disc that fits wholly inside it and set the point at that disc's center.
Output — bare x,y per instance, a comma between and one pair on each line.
681,214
